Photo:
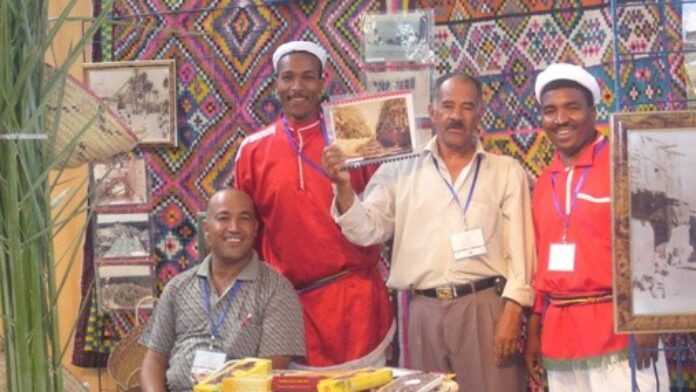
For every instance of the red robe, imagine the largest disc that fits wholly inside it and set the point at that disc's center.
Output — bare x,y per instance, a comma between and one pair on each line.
348,318
577,331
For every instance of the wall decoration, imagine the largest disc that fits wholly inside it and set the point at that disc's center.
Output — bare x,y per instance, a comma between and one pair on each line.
122,235
415,80
654,210
122,286
397,37
143,93
120,181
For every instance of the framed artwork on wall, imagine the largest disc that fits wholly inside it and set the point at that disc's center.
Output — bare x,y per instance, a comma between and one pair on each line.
143,93
654,221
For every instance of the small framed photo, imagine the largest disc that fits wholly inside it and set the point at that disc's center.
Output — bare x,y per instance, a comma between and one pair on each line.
124,286
120,181
372,127
654,221
416,80
121,236
398,37
143,93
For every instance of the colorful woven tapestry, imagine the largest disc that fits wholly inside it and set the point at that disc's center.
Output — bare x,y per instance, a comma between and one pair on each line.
225,86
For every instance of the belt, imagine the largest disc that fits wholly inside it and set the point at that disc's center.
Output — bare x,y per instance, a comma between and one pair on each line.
460,290
321,282
581,300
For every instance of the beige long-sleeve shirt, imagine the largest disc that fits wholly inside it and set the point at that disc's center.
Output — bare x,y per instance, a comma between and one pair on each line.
410,201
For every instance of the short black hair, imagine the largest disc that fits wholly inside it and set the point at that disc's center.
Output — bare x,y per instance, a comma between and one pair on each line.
567,83
456,75
321,67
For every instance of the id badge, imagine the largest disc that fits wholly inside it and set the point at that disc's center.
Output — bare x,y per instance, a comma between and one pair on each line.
468,243
562,257
206,362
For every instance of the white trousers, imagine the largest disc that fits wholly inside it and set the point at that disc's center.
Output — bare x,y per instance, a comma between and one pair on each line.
612,376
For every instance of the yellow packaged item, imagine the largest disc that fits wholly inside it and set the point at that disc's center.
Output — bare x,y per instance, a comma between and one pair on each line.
206,388
247,384
355,382
238,368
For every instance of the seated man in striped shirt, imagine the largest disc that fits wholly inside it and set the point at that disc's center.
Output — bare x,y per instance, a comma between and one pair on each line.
231,306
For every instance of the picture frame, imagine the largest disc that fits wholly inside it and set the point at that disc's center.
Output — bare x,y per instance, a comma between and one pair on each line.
143,93
120,182
398,37
124,285
654,221
122,236
374,127
416,79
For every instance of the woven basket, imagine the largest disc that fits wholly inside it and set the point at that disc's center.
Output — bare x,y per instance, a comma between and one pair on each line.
126,358
72,144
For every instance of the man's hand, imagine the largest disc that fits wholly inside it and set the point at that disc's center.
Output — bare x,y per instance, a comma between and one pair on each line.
507,332
532,352
333,160
646,349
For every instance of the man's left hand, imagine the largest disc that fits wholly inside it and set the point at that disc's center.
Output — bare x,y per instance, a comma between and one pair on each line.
507,332
646,349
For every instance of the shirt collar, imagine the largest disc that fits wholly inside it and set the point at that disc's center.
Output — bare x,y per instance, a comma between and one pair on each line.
249,273
431,149
586,157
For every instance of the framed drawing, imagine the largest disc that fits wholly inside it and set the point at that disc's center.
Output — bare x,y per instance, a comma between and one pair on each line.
120,181
654,221
398,37
372,127
123,286
121,236
142,92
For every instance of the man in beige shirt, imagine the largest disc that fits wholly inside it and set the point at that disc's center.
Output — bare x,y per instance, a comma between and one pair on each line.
463,235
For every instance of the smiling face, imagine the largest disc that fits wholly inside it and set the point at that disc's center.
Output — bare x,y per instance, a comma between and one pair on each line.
300,85
455,114
568,119
231,226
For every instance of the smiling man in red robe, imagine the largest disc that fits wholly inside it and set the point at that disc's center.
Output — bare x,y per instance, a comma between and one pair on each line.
348,317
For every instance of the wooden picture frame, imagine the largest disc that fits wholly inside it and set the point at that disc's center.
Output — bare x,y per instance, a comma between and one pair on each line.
143,93
120,182
122,235
121,285
653,176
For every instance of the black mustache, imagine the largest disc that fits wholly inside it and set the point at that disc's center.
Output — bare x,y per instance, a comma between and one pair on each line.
455,124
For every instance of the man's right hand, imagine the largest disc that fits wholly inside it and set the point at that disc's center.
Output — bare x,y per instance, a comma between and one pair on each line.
532,352
333,161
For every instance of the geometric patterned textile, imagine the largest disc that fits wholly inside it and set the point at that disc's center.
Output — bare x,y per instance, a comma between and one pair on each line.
223,54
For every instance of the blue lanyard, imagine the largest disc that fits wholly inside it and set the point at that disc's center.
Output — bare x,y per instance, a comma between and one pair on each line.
574,196
296,148
453,191
216,324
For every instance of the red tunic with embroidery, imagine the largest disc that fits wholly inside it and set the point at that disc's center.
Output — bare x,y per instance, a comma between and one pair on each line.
587,330
347,318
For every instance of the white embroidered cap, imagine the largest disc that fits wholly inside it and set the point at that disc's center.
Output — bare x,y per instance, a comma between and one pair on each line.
565,71
299,46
